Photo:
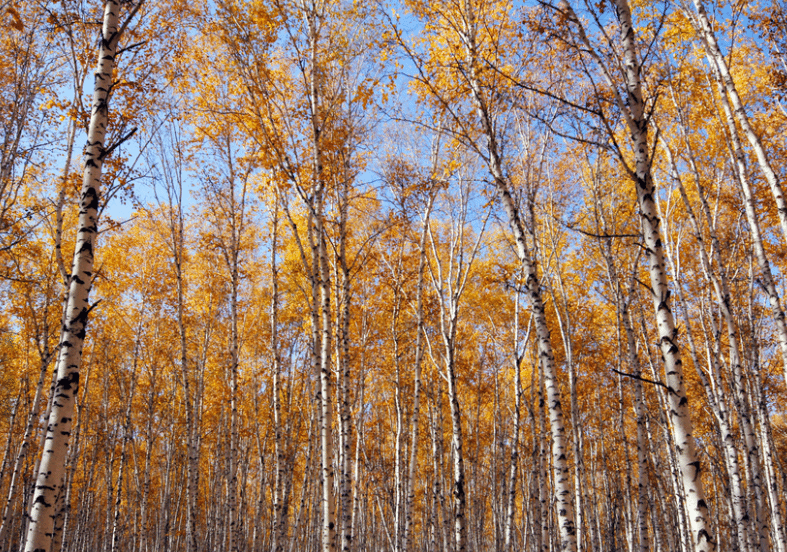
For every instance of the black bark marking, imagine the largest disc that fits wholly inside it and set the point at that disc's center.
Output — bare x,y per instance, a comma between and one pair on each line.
66,382
87,247
90,197
41,500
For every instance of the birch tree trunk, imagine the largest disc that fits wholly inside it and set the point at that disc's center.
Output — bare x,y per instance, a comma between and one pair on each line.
49,479
717,59
633,108
126,437
321,273
510,486
279,532
24,446
718,401
343,360
419,351
449,279
563,493
741,176
171,155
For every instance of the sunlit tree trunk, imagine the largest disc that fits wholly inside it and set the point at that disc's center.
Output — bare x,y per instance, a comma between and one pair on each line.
449,279
563,493
717,278
321,274
280,514
399,483
716,58
24,446
566,332
771,478
738,158
169,149
126,437
633,108
412,462
49,479
513,467
343,297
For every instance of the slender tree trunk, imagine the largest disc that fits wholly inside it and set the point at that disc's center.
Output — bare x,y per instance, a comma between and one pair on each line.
563,494
717,59
741,177
321,276
279,533
115,541
718,279
343,359
24,447
236,212
510,486
399,483
419,351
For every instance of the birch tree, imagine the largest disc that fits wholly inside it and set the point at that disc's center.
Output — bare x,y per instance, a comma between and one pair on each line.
632,105
49,480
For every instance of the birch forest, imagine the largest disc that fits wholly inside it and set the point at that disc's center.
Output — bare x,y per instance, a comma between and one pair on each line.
393,275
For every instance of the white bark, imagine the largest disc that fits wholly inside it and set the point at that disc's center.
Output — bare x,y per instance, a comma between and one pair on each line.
741,176
419,350
564,496
717,59
449,280
343,360
49,479
279,532
513,466
633,109
719,404
24,447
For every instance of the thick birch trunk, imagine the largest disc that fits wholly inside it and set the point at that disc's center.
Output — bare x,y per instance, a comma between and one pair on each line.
718,402
49,479
718,279
678,401
541,464
679,509
633,109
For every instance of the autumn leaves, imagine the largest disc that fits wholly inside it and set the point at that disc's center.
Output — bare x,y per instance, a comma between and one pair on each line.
422,258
